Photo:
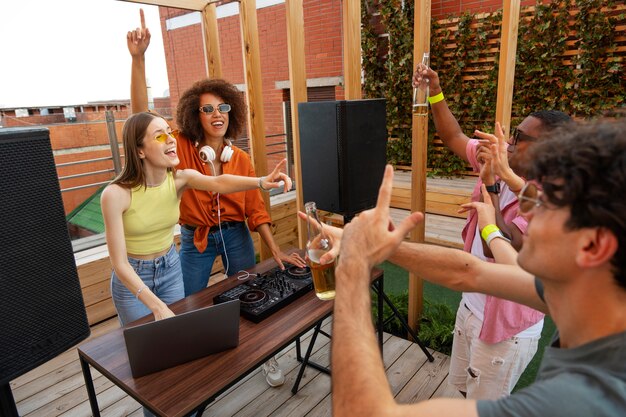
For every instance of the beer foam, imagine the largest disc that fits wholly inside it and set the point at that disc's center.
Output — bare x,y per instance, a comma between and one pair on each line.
315,255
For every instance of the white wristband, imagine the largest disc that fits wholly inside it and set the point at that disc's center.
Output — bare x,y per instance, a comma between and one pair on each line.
140,290
496,234
261,179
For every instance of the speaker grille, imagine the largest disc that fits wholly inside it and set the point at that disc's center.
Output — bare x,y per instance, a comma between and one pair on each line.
41,303
342,152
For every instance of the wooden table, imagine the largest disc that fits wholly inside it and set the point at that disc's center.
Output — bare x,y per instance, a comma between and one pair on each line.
180,390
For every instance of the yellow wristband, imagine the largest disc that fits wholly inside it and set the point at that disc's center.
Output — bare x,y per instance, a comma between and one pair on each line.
487,230
436,98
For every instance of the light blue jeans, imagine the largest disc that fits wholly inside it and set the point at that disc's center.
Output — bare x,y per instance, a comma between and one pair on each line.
197,266
162,275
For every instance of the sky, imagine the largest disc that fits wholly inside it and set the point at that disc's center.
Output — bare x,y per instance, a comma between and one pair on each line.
67,52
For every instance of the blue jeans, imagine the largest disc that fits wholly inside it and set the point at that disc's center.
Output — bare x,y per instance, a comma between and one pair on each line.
197,266
162,275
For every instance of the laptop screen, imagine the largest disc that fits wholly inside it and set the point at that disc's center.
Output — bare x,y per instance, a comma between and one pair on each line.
165,343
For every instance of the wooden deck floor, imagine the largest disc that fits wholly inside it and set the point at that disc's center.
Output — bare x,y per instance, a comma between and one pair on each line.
57,387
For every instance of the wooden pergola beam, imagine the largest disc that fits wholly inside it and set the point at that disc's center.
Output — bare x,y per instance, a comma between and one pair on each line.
197,5
254,90
298,94
352,49
211,41
419,156
506,71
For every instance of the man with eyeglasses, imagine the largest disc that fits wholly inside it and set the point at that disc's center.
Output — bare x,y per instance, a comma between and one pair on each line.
494,340
572,266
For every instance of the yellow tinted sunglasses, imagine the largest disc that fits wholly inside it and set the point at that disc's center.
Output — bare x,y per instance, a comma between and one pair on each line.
162,137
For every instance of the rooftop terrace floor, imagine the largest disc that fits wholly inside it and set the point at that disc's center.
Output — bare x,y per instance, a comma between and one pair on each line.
57,388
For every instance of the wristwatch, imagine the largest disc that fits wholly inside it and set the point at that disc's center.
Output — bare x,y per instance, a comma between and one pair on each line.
493,189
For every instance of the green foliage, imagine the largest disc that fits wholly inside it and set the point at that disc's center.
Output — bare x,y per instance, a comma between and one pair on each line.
392,325
436,326
549,74
388,63
601,78
541,46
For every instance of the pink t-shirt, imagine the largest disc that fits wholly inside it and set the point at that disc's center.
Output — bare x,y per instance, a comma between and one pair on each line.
502,319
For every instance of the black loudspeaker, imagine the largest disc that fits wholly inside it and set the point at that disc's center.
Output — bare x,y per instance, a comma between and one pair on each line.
343,153
42,312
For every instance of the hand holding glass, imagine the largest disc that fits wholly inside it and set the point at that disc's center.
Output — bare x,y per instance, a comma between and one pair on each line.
420,93
318,244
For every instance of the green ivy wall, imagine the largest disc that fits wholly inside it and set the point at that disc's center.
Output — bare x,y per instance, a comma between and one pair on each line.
570,57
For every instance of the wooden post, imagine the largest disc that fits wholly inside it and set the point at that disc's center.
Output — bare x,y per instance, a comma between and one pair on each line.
298,94
419,149
506,71
352,49
252,73
211,41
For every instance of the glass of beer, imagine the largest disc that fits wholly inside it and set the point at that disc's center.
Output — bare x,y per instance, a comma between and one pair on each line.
317,245
420,93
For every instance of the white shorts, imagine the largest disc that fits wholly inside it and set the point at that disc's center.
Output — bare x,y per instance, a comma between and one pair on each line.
486,371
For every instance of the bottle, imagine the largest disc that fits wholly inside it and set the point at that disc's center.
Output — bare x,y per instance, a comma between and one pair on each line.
420,93
317,245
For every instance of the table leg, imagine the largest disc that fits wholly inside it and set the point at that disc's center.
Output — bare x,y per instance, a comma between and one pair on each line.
298,351
7,402
91,391
306,362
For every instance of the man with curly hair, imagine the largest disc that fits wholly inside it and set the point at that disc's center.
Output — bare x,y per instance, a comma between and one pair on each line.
572,266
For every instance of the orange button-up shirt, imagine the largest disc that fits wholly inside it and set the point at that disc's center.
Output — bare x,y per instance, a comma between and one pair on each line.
199,208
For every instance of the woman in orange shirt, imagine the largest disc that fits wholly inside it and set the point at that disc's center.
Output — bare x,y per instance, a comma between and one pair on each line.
209,114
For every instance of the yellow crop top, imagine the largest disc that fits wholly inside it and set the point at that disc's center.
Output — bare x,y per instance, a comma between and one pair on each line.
150,219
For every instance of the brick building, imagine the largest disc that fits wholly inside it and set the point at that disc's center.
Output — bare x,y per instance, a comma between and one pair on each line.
86,138
184,49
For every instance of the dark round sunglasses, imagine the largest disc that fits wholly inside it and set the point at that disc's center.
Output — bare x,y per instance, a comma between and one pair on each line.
519,136
209,109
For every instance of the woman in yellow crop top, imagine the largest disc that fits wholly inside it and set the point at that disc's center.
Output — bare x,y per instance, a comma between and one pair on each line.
140,209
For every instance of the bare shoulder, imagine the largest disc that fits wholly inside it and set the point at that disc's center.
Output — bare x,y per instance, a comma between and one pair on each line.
114,195
115,191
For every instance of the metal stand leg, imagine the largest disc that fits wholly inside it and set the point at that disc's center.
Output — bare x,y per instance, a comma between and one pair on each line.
91,391
404,323
378,285
200,410
305,361
7,402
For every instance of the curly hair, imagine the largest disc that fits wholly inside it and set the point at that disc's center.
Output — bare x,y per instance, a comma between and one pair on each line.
188,115
583,167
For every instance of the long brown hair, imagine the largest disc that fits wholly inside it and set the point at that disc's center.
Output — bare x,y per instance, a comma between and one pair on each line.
134,131
188,115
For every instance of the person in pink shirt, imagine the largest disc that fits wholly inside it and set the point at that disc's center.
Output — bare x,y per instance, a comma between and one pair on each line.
494,339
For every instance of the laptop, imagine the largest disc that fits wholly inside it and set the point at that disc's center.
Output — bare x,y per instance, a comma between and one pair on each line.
165,343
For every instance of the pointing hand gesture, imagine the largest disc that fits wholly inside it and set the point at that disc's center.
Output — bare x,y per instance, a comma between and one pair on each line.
138,39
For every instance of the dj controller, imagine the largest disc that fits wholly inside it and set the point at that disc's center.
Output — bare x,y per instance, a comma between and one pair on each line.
270,291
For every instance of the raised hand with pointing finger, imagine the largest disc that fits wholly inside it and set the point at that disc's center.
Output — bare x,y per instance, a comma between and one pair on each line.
138,41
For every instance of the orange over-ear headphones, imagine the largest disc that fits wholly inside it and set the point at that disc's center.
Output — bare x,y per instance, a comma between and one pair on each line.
207,154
